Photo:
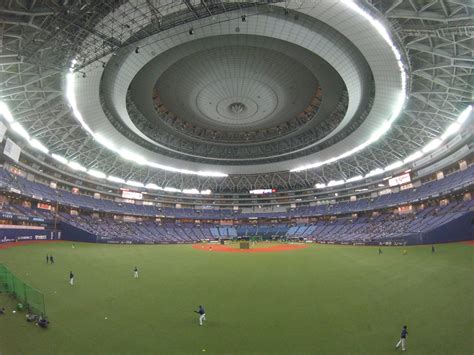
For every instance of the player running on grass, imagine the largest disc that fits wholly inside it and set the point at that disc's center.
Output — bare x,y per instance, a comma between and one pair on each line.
403,339
202,314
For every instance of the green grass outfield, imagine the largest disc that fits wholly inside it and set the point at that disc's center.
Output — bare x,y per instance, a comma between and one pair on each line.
320,300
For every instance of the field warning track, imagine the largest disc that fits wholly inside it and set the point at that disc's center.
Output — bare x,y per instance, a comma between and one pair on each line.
28,242
226,249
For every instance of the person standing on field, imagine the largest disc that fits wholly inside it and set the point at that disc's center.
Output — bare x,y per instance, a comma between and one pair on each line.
135,272
71,278
432,249
403,339
47,259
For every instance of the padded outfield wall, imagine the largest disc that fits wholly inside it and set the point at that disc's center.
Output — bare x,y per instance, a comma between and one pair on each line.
21,234
456,230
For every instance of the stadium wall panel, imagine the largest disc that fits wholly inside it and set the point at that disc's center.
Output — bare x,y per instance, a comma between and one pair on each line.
21,234
69,232
459,229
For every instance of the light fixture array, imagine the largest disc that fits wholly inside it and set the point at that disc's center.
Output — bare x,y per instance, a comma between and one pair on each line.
435,143
124,153
33,142
431,146
400,102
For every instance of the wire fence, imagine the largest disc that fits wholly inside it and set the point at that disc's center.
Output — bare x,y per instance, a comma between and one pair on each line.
30,297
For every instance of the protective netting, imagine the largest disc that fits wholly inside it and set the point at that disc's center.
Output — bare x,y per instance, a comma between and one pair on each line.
30,297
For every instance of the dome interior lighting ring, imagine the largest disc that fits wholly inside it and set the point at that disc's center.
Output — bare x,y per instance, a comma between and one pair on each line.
125,154
432,145
452,129
397,107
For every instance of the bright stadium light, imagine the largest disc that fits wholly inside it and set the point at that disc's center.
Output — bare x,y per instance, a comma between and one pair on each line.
452,129
134,183
115,179
72,101
435,143
191,191
205,192
335,183
5,112
394,165
309,166
104,141
399,103
465,114
70,95
76,166
38,145
171,189
59,158
355,178
18,128
413,157
96,173
152,186
320,186
380,132
374,172
211,174
128,155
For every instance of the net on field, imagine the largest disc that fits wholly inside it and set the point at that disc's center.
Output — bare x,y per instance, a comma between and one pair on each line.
30,297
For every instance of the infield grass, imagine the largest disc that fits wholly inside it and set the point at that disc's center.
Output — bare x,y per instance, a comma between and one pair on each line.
320,300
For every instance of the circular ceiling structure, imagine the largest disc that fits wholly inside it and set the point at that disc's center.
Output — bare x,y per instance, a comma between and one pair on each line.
371,81
256,95
236,88
278,97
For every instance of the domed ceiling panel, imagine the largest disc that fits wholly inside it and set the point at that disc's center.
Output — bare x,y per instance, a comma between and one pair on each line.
172,144
236,88
314,95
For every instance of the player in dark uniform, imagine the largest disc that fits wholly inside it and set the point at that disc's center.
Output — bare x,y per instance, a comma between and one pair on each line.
47,259
71,278
202,314
380,251
403,339
432,249
51,259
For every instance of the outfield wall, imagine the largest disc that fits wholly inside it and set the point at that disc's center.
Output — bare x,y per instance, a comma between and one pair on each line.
76,234
25,234
458,230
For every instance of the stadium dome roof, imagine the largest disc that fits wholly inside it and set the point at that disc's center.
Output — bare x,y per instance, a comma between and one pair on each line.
231,96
